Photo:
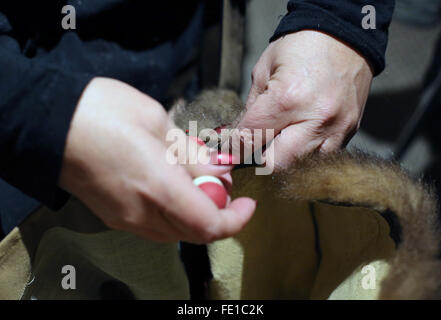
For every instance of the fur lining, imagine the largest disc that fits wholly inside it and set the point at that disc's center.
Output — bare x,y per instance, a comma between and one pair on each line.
362,180
211,109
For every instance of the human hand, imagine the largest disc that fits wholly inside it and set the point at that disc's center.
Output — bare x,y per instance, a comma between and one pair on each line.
115,163
311,89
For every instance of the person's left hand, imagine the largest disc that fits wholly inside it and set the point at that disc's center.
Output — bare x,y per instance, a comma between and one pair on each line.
311,89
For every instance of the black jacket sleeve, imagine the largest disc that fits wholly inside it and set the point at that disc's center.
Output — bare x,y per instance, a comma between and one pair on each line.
37,102
342,19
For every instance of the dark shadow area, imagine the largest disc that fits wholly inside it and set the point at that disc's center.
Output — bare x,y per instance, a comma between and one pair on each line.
386,114
15,206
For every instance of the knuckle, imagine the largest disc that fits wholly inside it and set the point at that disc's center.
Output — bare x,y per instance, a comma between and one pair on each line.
351,123
258,79
357,126
287,103
289,99
255,73
351,127
290,96
329,112
285,100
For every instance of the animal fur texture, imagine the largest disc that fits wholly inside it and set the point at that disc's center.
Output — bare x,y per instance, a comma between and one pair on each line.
211,109
355,179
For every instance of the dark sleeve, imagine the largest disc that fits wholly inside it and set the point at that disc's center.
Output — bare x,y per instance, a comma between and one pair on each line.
342,19
37,102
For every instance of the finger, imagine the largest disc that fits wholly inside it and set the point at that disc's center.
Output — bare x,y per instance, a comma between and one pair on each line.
215,168
150,224
333,143
227,181
255,91
228,222
209,161
196,158
234,218
197,216
259,78
293,141
264,113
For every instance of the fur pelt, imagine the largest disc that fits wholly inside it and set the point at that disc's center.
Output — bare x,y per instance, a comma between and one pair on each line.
357,179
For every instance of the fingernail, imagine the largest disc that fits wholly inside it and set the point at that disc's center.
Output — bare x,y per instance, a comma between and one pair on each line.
197,140
219,129
223,159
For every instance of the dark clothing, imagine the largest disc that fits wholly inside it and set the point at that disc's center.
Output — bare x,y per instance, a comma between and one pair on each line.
343,19
44,69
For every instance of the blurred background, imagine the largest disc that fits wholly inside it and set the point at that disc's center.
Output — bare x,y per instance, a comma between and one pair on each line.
401,116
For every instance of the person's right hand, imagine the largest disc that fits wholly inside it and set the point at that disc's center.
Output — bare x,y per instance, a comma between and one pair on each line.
115,163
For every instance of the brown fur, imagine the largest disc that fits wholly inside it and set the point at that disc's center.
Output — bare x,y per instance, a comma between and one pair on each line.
358,179
362,180
211,109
